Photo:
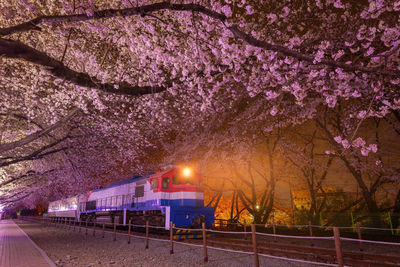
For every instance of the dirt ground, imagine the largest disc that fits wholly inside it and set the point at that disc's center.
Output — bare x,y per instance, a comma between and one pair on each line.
67,248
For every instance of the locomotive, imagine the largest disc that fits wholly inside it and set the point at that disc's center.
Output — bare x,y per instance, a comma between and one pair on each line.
174,195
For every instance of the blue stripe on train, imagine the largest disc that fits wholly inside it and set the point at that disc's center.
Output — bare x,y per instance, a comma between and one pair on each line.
154,204
183,213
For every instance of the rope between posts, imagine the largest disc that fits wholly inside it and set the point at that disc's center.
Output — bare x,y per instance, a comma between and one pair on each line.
381,229
225,232
370,241
137,236
283,225
157,227
299,237
194,229
240,224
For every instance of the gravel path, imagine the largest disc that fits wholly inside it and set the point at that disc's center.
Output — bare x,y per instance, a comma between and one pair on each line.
68,248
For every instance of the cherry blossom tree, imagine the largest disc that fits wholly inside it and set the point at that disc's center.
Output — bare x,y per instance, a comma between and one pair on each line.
149,77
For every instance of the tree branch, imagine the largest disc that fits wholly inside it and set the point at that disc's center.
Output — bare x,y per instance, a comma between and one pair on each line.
28,174
30,138
143,10
18,50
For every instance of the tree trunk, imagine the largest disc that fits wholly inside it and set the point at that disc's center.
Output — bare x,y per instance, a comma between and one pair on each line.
396,211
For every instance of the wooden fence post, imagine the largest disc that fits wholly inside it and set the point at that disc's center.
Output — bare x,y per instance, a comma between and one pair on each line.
203,226
253,235
86,227
94,227
338,246
359,234
103,231
79,226
171,239
115,230
129,232
244,229
310,227
274,230
147,233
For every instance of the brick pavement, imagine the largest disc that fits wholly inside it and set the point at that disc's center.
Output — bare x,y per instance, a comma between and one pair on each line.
18,250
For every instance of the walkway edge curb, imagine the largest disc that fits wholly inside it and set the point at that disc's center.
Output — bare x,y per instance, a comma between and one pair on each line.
41,251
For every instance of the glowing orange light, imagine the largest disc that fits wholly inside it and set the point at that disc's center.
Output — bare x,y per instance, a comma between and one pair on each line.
187,172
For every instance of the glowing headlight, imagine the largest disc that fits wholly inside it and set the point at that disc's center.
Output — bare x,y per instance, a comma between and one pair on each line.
187,172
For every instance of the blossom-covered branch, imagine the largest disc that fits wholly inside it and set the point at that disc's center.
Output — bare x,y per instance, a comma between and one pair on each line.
236,31
16,49
32,137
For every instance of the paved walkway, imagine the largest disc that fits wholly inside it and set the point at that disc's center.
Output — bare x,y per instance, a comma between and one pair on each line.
18,250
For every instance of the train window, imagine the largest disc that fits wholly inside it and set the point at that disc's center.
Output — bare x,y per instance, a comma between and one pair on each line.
154,184
176,180
139,191
91,205
165,182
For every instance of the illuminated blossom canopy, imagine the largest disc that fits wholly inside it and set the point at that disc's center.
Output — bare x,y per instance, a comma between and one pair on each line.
98,89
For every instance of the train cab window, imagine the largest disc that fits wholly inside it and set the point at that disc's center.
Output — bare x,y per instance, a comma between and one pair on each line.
165,182
176,180
154,184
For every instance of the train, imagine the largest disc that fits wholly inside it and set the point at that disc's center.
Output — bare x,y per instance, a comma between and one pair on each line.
174,194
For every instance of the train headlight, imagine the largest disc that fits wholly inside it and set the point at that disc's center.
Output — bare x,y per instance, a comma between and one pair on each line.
187,172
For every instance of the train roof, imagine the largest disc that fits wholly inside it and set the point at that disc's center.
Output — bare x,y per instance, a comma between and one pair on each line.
163,172
126,181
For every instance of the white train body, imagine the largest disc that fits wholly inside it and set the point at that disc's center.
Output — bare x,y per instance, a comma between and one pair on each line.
161,197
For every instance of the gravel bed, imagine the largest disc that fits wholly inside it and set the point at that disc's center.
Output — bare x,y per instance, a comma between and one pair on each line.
67,248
